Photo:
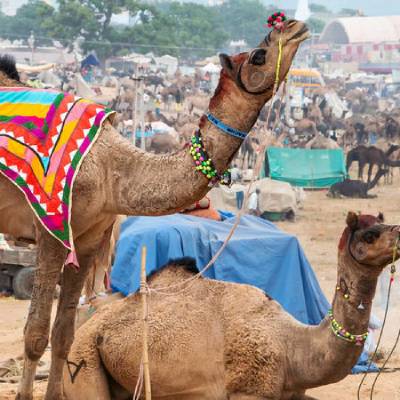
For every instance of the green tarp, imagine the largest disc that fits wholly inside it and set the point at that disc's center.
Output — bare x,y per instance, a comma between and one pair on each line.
307,168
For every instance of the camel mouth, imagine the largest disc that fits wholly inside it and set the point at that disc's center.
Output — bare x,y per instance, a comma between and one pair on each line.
301,35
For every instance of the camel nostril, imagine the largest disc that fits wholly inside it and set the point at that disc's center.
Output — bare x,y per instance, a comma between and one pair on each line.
291,23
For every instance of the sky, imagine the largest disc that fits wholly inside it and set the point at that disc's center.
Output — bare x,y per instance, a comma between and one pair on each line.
370,7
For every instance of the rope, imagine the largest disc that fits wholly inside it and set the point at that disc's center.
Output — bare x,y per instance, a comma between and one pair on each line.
139,383
393,270
384,364
166,290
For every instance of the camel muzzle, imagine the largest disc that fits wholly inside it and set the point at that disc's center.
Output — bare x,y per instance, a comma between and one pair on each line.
304,31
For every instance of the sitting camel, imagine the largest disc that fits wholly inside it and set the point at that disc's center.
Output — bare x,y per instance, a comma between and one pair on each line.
355,188
218,340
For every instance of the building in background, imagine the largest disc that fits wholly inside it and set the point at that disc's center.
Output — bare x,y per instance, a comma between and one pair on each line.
372,42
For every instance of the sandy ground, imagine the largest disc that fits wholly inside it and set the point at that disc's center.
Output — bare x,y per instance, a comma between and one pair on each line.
318,228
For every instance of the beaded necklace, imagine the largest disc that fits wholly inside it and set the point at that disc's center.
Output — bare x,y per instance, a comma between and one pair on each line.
341,333
204,163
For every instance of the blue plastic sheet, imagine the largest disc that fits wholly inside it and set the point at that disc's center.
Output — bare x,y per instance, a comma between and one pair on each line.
258,254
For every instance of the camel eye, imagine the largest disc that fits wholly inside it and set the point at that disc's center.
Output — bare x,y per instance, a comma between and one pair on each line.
258,57
370,237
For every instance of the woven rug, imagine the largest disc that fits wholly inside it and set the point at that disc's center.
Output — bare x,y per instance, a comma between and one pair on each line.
44,136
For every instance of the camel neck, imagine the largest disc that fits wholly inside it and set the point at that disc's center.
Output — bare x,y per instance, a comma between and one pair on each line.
148,184
328,358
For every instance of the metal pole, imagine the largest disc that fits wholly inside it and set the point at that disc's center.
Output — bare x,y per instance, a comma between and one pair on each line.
143,292
141,110
31,42
135,112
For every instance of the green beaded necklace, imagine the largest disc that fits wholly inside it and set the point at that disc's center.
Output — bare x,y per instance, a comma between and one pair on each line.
341,333
204,164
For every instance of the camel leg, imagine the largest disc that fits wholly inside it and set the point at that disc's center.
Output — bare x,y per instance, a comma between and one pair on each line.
51,256
90,381
370,168
62,335
361,170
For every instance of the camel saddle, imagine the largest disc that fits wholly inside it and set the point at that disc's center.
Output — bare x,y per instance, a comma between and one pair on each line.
44,136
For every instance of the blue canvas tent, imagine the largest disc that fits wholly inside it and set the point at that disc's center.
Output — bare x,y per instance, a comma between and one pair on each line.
90,60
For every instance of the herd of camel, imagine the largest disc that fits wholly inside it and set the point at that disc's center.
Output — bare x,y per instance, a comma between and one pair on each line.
210,340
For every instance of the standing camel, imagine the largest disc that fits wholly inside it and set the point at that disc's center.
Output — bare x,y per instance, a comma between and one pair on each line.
367,155
218,340
116,178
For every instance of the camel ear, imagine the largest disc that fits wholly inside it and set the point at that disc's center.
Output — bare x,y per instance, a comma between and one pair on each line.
352,221
227,64
380,218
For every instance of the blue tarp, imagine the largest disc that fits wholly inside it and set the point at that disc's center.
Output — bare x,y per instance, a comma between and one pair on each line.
90,60
259,254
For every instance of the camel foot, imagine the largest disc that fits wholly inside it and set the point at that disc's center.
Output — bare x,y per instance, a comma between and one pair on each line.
24,396
54,396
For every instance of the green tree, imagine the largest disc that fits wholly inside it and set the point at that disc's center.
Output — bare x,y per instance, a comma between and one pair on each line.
179,29
318,8
316,25
31,17
348,12
244,19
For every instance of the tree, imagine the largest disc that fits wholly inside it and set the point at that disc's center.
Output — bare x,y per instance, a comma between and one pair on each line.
244,19
316,25
31,17
181,30
318,8
349,12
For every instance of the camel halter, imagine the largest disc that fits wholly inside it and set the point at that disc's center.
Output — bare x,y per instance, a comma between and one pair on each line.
275,85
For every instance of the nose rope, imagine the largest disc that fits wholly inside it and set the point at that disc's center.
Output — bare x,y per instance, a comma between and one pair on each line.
278,64
392,273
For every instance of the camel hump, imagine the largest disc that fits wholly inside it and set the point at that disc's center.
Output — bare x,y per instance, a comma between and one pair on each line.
187,265
9,67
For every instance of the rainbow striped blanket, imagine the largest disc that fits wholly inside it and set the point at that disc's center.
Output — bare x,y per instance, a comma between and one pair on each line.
44,136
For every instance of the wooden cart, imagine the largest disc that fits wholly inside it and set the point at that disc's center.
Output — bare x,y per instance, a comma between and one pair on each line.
17,266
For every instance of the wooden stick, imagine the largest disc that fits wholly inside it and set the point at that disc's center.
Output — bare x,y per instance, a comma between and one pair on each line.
143,291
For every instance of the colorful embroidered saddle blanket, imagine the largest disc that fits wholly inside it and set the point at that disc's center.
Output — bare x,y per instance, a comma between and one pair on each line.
44,136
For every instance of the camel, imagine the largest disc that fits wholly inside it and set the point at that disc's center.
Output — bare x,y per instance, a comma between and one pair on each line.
356,188
219,340
368,155
306,127
322,142
161,143
116,178
391,128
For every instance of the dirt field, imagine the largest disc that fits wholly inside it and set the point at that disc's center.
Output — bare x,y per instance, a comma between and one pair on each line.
318,228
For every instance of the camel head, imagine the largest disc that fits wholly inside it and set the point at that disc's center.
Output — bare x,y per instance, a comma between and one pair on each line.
370,242
254,72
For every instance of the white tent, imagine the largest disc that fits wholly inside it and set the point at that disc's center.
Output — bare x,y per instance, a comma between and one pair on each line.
302,11
161,127
211,68
82,88
49,79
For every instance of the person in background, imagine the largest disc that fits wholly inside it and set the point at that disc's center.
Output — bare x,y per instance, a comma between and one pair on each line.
254,208
235,174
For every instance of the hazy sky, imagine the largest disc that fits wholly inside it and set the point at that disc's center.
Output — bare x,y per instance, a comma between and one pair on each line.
370,7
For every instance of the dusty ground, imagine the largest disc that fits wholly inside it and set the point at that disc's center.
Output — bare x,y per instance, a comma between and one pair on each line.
318,228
